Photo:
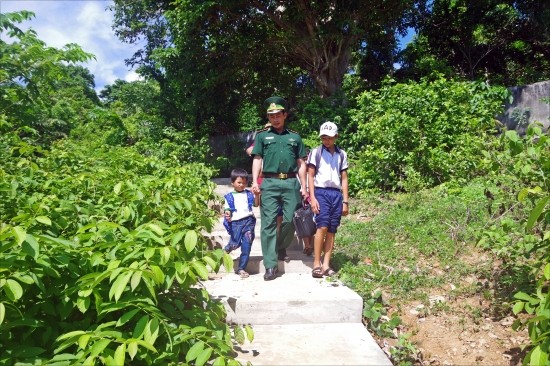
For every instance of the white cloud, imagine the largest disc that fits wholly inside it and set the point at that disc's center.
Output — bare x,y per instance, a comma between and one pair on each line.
86,23
132,76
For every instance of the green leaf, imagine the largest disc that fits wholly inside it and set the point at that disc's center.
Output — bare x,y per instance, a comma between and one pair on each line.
83,341
44,220
203,356
126,317
151,331
518,307
227,262
200,269
220,361
2,313
523,296
547,271
158,275
120,354
132,349
524,193
511,135
13,289
30,246
83,303
20,234
194,351
536,212
190,240
149,253
239,335
157,229
249,333
538,357
117,188
140,327
210,262
70,334
99,346
119,285
164,254
136,278
176,238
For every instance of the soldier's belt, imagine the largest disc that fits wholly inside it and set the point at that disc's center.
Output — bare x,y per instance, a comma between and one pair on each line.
279,175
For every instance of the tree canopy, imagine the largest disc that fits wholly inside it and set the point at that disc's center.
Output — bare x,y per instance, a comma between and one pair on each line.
505,41
235,51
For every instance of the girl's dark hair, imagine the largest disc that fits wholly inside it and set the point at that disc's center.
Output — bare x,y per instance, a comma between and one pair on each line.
238,173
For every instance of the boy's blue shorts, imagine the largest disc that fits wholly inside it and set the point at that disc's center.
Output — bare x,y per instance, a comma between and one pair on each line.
330,207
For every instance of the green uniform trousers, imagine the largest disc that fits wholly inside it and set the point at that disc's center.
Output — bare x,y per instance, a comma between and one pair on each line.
276,192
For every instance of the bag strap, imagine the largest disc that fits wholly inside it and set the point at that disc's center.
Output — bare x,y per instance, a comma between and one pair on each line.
230,201
250,196
318,153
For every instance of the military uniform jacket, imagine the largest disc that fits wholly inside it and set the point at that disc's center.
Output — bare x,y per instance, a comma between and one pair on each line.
279,151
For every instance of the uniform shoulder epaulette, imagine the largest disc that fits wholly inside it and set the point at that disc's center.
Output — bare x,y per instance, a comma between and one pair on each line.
289,130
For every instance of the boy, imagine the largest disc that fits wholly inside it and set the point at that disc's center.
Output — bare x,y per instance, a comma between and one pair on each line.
239,220
327,169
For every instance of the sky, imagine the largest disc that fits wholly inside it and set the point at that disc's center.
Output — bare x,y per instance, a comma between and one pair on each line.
86,23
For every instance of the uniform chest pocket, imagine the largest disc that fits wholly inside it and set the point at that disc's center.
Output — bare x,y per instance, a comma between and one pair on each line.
269,145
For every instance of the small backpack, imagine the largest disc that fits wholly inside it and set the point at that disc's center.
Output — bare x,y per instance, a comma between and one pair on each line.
231,203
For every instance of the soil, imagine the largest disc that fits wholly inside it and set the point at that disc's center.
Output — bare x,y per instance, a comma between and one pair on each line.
459,332
465,330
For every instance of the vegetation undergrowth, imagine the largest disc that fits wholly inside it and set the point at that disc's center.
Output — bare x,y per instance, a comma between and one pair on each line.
401,248
102,257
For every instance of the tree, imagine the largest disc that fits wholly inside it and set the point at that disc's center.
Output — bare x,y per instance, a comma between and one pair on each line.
504,41
218,54
33,78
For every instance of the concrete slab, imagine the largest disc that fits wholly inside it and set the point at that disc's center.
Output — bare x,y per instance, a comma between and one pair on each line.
290,298
312,344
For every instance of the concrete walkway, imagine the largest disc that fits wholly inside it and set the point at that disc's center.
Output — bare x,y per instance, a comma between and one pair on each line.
297,319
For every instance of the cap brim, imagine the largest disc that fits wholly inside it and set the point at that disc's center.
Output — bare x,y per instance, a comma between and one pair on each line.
328,134
273,111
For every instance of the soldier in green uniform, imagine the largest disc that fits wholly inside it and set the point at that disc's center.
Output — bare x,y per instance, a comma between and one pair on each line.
279,154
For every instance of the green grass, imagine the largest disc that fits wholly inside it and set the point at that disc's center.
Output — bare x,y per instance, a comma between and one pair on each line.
417,242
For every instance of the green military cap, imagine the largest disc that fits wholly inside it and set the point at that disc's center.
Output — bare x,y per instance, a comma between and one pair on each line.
275,104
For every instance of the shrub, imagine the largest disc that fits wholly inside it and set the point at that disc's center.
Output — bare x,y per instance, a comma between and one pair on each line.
416,135
518,193
102,258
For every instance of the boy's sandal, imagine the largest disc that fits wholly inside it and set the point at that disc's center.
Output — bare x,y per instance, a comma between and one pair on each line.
243,273
329,272
317,272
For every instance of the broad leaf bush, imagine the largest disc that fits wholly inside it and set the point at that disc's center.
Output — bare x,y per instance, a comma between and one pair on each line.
519,195
101,258
417,135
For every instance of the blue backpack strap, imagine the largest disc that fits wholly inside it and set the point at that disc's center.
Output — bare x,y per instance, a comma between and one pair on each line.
231,203
250,196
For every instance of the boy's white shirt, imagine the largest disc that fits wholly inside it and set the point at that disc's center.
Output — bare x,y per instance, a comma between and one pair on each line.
327,175
241,205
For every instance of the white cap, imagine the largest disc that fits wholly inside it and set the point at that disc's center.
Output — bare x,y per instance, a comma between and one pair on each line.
328,129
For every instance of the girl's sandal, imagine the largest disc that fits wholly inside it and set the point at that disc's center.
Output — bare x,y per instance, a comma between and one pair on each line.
317,272
329,272
243,273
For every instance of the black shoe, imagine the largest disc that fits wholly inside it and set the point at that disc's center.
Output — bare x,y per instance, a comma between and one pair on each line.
270,273
282,255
